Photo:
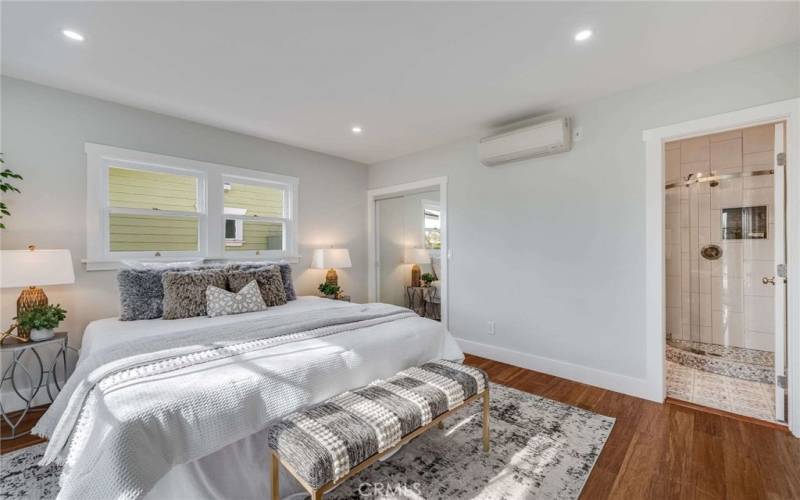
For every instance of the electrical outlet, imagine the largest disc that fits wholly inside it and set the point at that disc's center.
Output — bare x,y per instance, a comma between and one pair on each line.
490,330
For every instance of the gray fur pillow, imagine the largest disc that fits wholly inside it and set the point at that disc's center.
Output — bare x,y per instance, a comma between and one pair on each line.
269,282
185,292
141,294
286,274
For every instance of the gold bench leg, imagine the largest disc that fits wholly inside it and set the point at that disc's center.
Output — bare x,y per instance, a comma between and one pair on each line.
317,495
276,469
441,424
486,420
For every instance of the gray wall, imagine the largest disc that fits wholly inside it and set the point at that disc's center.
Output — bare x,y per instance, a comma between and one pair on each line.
552,249
43,136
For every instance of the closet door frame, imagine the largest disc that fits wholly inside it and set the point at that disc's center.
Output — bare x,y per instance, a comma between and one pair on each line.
373,195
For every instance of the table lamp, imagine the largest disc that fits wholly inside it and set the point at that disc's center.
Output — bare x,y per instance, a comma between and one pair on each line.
416,256
331,258
29,269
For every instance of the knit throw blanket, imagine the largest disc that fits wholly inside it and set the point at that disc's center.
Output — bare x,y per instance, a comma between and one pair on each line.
101,451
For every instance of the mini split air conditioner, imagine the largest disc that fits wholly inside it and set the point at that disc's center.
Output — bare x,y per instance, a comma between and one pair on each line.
543,139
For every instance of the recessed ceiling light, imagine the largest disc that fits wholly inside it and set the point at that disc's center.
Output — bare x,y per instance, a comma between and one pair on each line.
583,35
73,35
356,130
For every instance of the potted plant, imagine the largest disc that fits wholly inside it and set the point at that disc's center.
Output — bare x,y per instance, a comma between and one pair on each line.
40,321
329,290
6,186
428,278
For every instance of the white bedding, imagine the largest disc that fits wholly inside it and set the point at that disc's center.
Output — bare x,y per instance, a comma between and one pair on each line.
239,470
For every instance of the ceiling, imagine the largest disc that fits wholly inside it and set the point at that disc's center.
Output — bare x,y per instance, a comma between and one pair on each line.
413,75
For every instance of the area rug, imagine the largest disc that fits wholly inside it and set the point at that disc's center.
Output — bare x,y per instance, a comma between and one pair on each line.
540,449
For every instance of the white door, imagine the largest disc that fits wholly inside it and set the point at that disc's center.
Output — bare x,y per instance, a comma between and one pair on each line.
779,276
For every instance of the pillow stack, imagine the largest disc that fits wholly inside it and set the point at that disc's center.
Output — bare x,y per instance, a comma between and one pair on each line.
180,290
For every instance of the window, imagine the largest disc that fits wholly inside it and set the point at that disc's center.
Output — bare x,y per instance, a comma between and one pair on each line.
255,216
152,210
431,225
154,207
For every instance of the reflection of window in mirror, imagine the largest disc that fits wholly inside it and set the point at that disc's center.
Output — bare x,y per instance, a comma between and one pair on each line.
431,224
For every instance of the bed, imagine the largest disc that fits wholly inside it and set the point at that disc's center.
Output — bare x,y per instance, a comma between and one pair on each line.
147,415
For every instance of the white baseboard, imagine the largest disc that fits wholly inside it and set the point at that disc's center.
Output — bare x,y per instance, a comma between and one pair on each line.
632,386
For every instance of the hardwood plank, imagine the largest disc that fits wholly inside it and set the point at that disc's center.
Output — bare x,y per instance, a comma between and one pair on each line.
27,423
669,451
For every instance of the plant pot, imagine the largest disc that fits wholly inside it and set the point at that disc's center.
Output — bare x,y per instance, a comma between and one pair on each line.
38,335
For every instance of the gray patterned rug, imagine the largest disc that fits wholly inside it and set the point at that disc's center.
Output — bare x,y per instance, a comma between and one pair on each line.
540,449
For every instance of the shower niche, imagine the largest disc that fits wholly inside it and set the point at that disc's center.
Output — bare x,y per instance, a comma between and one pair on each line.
744,223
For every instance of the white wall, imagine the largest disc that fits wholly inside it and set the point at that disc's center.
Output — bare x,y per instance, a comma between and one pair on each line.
552,249
44,131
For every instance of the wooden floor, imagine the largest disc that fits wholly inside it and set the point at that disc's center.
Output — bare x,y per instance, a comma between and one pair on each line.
670,451
656,451
27,423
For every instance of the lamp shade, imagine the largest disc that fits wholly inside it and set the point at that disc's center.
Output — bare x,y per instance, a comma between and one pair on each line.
417,256
329,258
21,268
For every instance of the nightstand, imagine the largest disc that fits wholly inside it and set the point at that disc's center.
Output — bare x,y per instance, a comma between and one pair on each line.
28,353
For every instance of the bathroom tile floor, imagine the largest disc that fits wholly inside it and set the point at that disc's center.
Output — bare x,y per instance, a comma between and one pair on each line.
744,397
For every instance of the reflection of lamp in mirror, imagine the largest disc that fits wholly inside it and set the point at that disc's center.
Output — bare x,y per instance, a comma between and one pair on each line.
29,269
416,256
331,259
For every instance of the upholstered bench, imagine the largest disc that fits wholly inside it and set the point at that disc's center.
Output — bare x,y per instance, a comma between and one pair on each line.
326,444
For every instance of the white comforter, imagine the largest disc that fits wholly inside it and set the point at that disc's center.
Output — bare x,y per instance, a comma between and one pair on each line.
234,463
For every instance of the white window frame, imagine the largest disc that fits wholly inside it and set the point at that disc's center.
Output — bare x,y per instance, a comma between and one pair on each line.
211,219
286,219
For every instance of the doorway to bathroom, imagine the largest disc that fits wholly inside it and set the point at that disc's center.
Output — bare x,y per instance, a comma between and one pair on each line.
408,246
725,261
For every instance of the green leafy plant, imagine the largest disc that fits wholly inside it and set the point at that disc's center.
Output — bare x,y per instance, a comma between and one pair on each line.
42,318
329,289
427,278
5,187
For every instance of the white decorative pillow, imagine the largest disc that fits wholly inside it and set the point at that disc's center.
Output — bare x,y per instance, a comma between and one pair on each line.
221,302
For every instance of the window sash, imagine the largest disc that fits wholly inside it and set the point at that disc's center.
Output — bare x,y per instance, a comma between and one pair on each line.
287,221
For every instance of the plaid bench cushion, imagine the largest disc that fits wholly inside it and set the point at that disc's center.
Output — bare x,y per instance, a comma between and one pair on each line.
322,443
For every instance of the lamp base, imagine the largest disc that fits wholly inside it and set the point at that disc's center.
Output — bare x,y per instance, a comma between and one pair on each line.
415,273
331,278
30,298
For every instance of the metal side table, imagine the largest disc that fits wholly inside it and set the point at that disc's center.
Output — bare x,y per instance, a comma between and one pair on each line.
22,353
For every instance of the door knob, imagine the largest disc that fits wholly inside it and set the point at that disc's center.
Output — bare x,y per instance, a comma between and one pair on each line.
768,281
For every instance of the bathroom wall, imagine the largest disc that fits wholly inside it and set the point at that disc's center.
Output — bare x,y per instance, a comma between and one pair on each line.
722,301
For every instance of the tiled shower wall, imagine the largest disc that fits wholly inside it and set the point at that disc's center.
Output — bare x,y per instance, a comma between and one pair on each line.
722,301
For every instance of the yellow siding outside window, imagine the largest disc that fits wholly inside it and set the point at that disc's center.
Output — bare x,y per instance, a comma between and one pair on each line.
144,189
261,201
258,236
140,233
157,191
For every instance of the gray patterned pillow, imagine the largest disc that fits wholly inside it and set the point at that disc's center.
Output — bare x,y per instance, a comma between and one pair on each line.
185,292
221,302
286,274
269,282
